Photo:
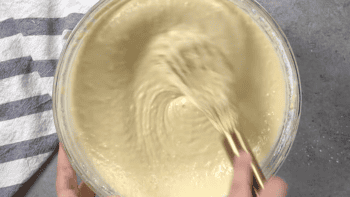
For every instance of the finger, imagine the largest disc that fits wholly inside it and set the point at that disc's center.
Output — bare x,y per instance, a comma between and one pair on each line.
66,182
242,179
274,187
85,191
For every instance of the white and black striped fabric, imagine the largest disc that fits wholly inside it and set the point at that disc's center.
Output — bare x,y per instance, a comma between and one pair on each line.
31,39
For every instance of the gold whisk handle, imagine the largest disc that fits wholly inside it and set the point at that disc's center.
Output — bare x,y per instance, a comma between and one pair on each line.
238,142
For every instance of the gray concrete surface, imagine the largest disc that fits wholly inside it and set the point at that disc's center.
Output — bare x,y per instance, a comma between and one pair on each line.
318,163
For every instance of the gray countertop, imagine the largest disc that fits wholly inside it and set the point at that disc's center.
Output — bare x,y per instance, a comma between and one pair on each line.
317,165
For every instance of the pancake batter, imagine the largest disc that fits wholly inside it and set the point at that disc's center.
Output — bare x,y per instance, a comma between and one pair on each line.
137,94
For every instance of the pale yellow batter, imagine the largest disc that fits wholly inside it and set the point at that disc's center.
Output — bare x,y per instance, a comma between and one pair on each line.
138,83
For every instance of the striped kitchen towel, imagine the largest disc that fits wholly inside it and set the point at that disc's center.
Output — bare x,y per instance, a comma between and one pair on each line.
31,40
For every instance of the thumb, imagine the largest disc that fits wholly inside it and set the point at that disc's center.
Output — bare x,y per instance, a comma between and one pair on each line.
242,176
85,191
274,187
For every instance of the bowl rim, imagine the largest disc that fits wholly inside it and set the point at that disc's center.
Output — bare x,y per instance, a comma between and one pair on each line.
281,148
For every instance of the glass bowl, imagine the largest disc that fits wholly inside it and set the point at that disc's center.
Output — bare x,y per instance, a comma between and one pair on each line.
61,88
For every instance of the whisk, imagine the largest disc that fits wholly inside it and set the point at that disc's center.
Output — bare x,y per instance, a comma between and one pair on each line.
203,74
223,119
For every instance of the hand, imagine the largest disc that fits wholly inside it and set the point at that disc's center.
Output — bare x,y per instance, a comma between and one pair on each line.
242,180
66,182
